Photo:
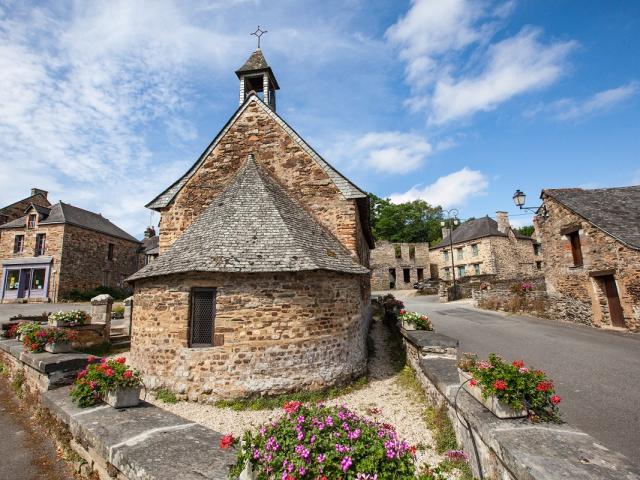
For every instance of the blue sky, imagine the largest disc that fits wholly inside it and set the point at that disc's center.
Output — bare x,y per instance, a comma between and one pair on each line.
458,102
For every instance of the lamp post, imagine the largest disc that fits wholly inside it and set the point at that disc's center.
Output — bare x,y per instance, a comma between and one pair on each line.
451,219
519,198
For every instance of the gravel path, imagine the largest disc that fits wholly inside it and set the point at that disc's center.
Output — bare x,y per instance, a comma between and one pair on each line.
398,405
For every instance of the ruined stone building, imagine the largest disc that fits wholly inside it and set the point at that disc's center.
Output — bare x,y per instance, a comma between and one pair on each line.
485,246
262,284
48,252
399,265
591,242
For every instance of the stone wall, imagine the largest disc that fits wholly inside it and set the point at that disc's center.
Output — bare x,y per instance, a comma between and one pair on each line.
581,286
280,332
85,263
256,132
383,258
504,257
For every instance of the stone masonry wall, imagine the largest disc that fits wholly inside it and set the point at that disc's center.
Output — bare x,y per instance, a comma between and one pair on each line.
256,132
84,260
282,332
16,210
600,252
383,258
53,248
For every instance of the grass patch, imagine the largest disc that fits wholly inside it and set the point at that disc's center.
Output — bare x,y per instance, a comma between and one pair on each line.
103,350
17,382
165,395
443,433
4,371
269,403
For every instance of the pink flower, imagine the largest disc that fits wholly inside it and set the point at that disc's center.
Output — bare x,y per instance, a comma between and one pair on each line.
127,374
92,385
292,407
346,463
108,372
121,360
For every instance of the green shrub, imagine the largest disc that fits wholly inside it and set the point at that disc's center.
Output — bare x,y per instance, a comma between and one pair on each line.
165,395
86,295
17,382
118,310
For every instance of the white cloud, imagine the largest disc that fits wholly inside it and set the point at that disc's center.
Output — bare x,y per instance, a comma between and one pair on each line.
452,190
600,102
454,67
389,152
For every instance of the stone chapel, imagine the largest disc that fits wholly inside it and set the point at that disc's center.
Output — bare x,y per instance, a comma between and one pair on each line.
262,283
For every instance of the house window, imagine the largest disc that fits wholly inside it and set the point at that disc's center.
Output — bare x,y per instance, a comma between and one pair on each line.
406,275
13,280
474,249
37,279
412,252
18,244
539,265
31,223
460,253
40,243
576,249
476,268
537,248
202,317
420,272
392,278
461,271
398,250
110,252
445,255
447,273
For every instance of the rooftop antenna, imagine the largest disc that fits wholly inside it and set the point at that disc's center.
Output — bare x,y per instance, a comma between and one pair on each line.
258,33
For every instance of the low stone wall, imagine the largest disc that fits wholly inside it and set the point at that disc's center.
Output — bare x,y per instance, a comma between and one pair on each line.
507,449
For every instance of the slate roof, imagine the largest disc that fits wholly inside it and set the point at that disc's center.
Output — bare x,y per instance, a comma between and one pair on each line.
615,211
257,63
42,211
473,229
253,226
348,189
63,213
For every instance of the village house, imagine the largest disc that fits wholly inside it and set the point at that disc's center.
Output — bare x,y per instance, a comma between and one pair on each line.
399,265
485,246
262,284
16,209
150,246
591,241
51,251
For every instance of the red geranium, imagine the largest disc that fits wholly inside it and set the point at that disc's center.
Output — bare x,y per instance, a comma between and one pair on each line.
403,311
555,399
121,360
518,363
500,385
292,407
473,382
227,441
544,386
127,374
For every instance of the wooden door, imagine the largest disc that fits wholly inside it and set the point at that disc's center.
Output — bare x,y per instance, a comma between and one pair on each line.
615,308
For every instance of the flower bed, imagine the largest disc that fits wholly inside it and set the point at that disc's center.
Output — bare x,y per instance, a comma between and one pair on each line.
514,384
69,319
101,377
318,442
35,337
415,321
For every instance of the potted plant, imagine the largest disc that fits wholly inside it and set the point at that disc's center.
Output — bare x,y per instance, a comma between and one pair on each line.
110,380
414,321
35,338
509,390
320,442
69,319
59,339
25,328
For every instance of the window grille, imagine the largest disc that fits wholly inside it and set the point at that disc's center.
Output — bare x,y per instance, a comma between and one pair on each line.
202,318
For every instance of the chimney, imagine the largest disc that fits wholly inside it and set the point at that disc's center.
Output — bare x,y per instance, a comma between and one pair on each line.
503,221
150,232
445,232
37,191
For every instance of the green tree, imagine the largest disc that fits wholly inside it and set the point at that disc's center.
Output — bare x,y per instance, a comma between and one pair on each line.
415,221
527,230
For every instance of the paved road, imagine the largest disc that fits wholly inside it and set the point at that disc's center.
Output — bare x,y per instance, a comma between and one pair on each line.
26,452
596,372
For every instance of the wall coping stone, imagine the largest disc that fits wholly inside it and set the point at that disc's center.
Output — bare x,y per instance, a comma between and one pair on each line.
530,451
45,362
128,300
425,339
145,442
102,299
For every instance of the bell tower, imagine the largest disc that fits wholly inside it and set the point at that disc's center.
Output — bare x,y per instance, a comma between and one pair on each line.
256,75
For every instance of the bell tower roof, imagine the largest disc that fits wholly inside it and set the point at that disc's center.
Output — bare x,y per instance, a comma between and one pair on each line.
256,63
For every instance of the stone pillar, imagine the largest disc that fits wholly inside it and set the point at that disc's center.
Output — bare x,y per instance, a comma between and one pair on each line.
101,312
128,314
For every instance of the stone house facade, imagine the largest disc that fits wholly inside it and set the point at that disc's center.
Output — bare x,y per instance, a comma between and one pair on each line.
261,285
591,242
399,265
16,209
486,246
49,252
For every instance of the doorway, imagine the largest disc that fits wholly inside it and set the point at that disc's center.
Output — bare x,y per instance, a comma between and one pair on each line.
613,301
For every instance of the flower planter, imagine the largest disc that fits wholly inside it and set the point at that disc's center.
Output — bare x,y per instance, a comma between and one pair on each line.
495,406
21,337
408,325
123,397
58,323
58,347
247,473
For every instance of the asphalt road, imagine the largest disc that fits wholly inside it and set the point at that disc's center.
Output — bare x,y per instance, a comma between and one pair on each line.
596,372
27,453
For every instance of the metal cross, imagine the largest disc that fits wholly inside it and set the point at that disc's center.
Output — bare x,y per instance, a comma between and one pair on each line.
258,33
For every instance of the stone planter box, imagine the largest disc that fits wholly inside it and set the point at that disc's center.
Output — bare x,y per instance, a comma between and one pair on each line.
123,397
247,473
495,406
408,325
58,347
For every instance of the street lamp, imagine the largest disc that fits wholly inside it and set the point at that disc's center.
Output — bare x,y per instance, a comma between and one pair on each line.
519,199
451,219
